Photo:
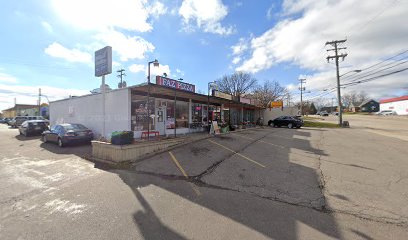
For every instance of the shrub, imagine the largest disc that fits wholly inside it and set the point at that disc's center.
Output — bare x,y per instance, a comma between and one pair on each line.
122,137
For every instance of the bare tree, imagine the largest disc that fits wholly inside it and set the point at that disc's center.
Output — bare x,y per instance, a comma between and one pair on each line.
236,84
353,97
348,98
362,96
268,91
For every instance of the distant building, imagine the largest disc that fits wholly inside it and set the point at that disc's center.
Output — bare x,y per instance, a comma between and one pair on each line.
21,110
369,105
398,104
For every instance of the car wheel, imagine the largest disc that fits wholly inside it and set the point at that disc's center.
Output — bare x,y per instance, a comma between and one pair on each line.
290,125
272,125
298,127
60,143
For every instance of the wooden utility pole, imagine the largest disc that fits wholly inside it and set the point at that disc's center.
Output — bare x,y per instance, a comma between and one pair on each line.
336,56
121,72
301,88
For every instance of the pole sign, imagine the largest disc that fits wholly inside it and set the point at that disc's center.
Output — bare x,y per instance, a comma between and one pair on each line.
103,61
171,83
276,104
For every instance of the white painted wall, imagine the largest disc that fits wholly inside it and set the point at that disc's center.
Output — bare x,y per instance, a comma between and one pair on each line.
277,112
87,110
400,107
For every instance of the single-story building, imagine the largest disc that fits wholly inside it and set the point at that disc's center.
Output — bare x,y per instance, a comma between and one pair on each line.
167,107
21,110
369,105
398,104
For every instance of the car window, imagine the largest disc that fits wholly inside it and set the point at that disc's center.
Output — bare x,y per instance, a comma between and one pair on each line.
74,127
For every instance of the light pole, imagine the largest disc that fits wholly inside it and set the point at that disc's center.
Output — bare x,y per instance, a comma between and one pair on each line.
208,102
155,64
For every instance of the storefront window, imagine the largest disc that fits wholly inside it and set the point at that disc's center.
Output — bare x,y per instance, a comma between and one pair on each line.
170,115
181,114
140,115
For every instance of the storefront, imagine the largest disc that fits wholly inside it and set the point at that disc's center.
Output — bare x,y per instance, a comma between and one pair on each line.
168,107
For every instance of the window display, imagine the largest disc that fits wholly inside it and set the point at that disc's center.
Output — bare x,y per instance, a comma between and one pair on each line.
140,115
182,114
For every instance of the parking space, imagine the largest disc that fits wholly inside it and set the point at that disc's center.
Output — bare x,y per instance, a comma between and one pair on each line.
275,163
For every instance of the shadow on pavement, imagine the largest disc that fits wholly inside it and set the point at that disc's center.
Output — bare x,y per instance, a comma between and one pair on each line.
24,138
271,216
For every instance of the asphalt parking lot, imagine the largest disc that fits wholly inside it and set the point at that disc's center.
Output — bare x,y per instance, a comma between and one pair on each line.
271,183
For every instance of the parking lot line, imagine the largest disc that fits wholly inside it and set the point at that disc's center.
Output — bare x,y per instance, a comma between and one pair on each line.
184,173
262,141
239,154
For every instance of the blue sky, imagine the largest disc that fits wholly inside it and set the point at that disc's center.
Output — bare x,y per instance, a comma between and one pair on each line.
51,45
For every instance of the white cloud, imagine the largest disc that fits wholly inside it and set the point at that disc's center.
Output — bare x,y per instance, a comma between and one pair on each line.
99,15
160,70
47,26
29,94
7,78
240,47
127,47
72,55
299,39
206,15
236,60
135,68
116,64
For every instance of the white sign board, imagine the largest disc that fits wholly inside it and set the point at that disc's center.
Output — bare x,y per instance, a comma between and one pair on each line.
103,61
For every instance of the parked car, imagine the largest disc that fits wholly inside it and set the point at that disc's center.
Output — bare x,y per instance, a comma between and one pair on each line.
335,113
17,121
67,133
2,120
386,113
324,113
289,121
33,127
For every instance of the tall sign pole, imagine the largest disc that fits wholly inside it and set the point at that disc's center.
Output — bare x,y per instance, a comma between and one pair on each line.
103,66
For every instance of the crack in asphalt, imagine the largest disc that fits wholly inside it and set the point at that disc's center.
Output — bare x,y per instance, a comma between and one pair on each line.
322,181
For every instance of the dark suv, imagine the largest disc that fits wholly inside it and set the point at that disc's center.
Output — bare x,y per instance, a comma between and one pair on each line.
33,127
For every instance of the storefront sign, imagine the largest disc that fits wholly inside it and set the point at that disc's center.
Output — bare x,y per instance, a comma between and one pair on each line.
276,104
219,94
245,100
171,83
103,61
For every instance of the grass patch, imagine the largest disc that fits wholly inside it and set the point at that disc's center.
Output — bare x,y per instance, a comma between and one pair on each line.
312,118
320,124
357,113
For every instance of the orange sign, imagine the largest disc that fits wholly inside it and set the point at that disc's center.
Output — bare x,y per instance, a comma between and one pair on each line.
276,104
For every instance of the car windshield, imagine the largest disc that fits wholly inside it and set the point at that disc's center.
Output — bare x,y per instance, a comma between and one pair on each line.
74,127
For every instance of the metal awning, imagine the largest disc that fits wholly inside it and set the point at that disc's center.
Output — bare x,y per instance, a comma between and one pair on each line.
159,91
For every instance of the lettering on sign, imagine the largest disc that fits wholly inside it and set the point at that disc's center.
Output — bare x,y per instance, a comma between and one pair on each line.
171,83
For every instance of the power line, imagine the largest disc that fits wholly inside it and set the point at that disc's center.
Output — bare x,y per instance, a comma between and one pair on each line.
373,78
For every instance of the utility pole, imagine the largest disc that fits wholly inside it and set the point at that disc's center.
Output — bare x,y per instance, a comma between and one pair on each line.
301,88
336,56
122,83
39,102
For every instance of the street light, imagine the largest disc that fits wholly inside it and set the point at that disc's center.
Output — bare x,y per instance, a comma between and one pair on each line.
208,101
155,64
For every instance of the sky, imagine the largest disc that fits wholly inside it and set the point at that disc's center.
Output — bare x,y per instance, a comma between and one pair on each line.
50,44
